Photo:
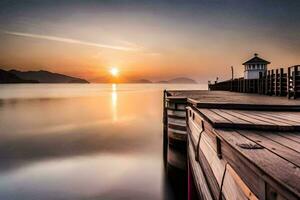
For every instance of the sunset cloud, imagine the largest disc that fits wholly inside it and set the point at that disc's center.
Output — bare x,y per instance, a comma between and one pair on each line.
72,41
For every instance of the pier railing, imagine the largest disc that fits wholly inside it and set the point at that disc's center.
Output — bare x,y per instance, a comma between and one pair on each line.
276,82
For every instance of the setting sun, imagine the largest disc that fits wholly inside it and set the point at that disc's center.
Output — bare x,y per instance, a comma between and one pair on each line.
114,71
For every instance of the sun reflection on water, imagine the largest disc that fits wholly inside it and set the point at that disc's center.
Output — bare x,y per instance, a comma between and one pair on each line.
114,101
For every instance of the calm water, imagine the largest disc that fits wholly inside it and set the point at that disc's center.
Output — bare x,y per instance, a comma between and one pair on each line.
95,141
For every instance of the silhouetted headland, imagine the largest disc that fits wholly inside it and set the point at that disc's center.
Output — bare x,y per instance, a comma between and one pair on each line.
42,76
7,77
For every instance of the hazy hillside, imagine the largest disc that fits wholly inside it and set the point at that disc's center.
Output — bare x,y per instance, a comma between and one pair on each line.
141,81
47,77
180,80
7,77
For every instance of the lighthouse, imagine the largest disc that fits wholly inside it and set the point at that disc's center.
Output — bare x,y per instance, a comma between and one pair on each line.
254,66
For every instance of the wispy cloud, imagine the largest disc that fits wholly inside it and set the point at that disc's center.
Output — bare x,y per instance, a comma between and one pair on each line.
72,41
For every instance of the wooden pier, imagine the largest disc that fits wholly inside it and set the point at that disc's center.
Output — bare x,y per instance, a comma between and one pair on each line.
276,82
239,146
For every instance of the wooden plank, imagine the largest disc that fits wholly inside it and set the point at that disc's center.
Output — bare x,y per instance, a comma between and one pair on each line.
291,117
281,174
176,135
233,119
253,120
295,146
181,122
241,106
295,136
272,118
199,176
176,113
177,127
213,117
231,189
175,106
277,148
176,117
248,193
256,117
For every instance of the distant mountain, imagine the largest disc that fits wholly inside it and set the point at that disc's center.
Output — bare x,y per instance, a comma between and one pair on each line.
180,80
7,77
141,81
46,77
162,82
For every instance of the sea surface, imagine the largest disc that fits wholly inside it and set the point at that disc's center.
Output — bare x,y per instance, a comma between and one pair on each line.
83,141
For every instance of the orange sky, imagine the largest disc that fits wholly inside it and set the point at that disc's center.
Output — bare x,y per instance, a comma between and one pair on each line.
152,41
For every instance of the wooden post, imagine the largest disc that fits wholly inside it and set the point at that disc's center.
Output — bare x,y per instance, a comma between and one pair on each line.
260,83
276,92
165,131
288,76
281,82
295,77
231,89
268,83
272,82
256,86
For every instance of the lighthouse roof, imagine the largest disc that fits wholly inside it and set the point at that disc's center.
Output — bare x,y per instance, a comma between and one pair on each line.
256,60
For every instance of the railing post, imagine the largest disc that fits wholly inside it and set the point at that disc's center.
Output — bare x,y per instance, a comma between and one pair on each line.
272,82
288,76
295,81
281,82
165,130
268,83
259,83
276,92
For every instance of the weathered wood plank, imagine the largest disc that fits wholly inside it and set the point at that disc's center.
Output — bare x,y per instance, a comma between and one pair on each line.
246,120
180,122
248,193
289,116
176,113
255,118
232,118
295,146
231,189
292,136
277,148
199,177
271,118
280,173
213,117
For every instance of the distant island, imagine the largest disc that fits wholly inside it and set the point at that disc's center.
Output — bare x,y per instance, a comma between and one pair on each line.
141,81
15,76
180,80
